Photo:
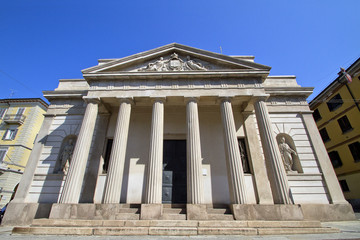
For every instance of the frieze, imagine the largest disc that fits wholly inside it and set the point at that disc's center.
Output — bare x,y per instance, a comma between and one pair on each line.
287,101
175,63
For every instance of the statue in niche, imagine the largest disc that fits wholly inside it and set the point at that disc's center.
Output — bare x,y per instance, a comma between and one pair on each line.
286,155
192,65
66,156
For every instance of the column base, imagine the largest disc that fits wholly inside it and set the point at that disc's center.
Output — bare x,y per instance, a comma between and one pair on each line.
196,212
293,212
19,214
328,212
274,212
151,211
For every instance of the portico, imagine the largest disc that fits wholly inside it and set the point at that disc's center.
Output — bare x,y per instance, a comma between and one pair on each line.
179,126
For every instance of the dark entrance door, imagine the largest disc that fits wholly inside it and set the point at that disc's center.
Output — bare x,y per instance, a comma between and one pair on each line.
174,172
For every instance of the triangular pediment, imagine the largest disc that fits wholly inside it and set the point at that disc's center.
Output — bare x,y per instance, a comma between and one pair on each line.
174,58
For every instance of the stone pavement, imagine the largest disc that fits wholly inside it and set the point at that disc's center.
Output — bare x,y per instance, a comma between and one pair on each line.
349,230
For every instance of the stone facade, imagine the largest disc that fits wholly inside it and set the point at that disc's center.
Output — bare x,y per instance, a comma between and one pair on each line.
128,115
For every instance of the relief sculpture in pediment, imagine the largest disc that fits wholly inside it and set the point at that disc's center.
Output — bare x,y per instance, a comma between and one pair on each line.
173,64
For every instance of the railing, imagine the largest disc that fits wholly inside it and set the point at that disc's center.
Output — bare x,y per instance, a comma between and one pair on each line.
14,119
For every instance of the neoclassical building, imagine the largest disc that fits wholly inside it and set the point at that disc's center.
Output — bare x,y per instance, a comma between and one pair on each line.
179,127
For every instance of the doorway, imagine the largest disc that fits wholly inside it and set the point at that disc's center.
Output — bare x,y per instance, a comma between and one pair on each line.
174,171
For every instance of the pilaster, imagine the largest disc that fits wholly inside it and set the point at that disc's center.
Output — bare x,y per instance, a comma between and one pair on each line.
258,164
332,183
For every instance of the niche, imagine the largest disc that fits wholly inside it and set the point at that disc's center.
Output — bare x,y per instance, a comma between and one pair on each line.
289,153
65,154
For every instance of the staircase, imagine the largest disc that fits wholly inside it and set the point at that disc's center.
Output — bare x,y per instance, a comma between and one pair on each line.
174,212
169,227
219,212
128,212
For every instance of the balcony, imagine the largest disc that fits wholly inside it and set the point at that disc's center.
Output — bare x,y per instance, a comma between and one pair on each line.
14,119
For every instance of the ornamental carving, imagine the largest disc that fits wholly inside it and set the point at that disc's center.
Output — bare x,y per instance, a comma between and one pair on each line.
173,64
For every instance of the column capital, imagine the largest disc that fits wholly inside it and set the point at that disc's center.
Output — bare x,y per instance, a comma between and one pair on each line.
95,100
222,99
191,99
260,98
158,99
126,100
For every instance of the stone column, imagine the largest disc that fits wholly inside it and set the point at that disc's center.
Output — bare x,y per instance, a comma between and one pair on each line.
152,209
332,183
74,179
194,165
154,173
258,164
117,157
272,154
233,163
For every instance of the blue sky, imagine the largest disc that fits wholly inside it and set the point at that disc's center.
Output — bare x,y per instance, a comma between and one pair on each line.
42,41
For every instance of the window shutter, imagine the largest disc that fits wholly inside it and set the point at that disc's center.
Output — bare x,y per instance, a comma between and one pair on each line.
4,136
14,134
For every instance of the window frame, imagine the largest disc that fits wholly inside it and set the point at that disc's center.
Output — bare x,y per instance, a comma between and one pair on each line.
316,115
3,112
10,134
2,157
344,124
322,132
335,159
335,102
355,151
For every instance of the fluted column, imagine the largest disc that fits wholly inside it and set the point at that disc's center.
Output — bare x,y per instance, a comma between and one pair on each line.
194,165
117,157
233,163
272,154
154,173
74,179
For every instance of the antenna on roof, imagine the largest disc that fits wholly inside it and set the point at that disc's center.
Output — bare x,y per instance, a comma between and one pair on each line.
12,92
220,49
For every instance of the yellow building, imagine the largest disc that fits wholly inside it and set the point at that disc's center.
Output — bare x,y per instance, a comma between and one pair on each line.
20,121
337,115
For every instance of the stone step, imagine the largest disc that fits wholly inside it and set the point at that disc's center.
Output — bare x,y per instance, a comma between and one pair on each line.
168,231
129,210
218,211
173,216
127,216
174,210
228,217
174,205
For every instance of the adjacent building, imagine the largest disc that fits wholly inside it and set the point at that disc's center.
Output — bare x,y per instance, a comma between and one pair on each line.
179,127
20,122
337,115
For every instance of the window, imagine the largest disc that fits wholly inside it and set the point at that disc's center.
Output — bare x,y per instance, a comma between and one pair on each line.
344,186
355,151
344,124
107,155
243,155
19,113
2,154
316,115
334,103
324,135
2,112
335,159
10,134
